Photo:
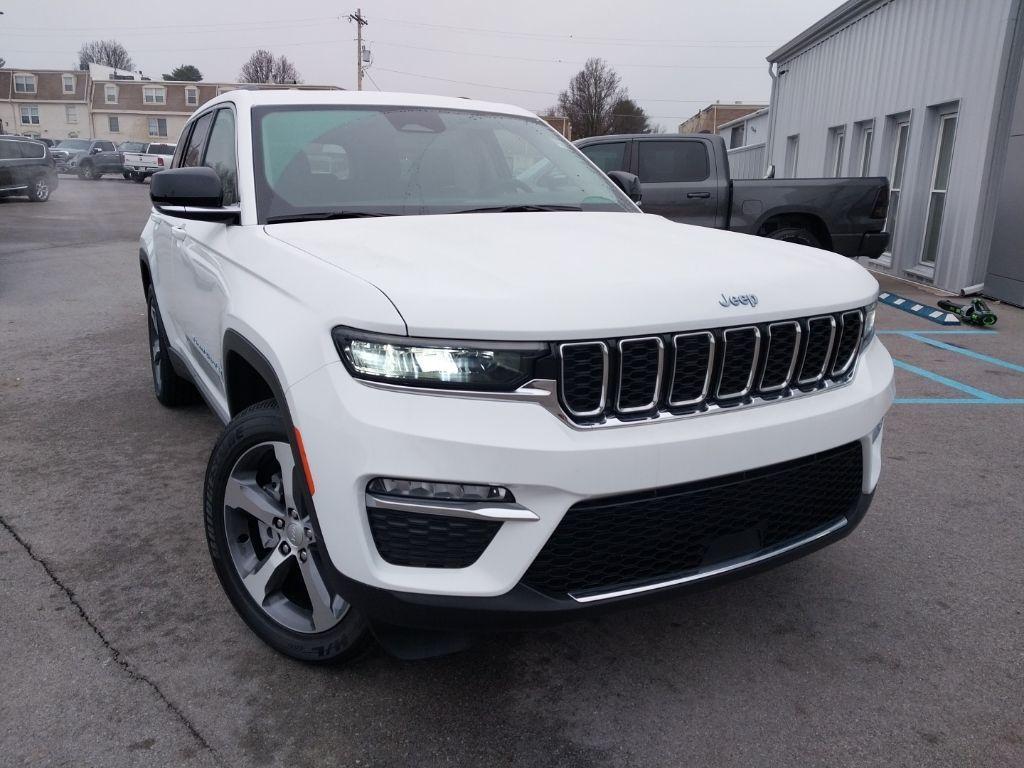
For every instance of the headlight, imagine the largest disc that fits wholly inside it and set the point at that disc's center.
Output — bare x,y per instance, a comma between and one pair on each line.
869,325
489,366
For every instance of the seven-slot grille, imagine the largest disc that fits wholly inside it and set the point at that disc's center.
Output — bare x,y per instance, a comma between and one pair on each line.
639,376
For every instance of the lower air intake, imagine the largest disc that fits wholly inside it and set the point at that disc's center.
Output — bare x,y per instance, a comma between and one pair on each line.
626,541
429,541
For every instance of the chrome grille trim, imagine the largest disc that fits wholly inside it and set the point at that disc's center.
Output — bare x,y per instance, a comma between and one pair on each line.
707,374
792,363
828,354
753,364
604,377
856,347
657,380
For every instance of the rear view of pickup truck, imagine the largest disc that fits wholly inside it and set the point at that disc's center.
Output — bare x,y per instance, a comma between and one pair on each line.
154,157
686,178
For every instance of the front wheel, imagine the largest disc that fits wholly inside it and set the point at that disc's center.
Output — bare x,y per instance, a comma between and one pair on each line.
89,172
265,548
39,190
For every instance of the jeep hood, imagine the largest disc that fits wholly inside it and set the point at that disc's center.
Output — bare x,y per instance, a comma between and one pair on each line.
569,275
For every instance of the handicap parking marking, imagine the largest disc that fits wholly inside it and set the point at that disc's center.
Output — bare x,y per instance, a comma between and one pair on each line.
977,396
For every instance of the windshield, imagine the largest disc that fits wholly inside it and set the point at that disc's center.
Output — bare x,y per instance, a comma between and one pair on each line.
400,161
73,144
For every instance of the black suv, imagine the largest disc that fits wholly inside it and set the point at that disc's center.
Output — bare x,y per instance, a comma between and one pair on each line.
26,168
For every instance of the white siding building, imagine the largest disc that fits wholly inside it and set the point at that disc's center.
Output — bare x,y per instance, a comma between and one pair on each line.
746,137
923,92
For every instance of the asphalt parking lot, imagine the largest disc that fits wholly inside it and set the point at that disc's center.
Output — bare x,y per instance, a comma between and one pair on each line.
902,645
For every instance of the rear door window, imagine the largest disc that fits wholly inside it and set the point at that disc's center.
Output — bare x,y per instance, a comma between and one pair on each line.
9,150
662,161
32,151
610,156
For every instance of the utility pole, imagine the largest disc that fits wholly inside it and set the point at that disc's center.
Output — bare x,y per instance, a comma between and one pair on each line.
361,22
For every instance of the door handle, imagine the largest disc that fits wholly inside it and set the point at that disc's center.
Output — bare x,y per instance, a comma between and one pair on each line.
178,233
701,195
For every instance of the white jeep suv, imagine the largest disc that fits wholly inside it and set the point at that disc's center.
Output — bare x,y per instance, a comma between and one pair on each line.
469,385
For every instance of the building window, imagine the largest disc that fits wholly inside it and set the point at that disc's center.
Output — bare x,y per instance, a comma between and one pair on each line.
70,113
29,114
110,93
191,96
24,83
157,126
736,136
867,136
113,123
896,170
939,187
792,155
68,83
154,95
837,149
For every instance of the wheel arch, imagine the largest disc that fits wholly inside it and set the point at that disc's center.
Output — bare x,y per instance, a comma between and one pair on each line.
147,273
249,377
776,219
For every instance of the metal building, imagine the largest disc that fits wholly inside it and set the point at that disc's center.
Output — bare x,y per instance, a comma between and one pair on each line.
927,93
745,137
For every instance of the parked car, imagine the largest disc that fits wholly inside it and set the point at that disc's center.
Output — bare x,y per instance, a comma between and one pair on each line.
685,178
26,168
121,149
79,156
144,162
457,401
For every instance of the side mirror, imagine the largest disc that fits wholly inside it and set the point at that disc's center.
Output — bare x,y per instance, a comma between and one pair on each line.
191,193
95,151
628,183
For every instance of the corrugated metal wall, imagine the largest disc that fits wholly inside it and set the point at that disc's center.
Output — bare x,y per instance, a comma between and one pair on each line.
747,162
904,56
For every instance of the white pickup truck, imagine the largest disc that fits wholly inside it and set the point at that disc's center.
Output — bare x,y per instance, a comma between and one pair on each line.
460,399
153,157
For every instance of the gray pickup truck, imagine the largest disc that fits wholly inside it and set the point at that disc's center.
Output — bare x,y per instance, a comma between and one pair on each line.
686,178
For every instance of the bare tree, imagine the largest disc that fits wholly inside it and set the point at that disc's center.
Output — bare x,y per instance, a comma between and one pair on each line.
110,53
2,62
262,67
590,97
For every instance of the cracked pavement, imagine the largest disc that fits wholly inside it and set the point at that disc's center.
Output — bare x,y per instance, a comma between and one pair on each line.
903,645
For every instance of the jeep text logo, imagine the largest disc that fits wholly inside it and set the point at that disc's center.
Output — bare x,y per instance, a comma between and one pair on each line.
744,298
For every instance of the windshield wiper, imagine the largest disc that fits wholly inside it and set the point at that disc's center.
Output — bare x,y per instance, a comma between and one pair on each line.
324,216
521,209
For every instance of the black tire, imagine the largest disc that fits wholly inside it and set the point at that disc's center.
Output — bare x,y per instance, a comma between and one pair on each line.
249,431
798,235
39,190
171,389
88,171
127,175
140,178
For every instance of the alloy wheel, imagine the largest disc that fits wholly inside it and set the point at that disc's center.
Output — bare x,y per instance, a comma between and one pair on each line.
273,545
42,190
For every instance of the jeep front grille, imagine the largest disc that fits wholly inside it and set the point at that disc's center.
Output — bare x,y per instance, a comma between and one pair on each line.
639,377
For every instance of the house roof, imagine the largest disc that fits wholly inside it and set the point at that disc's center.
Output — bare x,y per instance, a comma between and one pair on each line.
842,16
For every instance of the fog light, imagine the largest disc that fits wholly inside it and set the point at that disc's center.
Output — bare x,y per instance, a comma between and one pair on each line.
422,489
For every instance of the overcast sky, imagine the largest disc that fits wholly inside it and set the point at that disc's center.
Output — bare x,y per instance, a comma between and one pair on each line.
674,56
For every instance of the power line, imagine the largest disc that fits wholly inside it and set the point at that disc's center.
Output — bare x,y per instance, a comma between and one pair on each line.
547,93
564,61
231,26
569,37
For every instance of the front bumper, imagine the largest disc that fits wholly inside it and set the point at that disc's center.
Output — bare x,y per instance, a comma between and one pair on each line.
353,433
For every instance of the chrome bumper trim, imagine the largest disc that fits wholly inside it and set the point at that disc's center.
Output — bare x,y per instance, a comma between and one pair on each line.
468,510
718,570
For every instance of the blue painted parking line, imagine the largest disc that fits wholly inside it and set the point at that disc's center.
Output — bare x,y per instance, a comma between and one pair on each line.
943,332
980,394
966,352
